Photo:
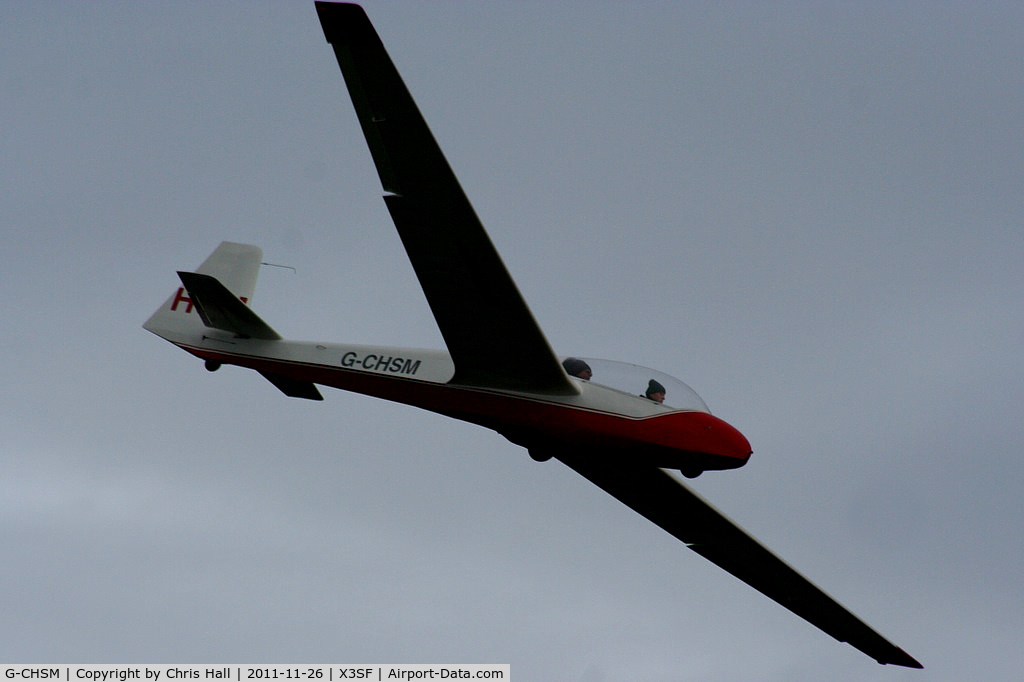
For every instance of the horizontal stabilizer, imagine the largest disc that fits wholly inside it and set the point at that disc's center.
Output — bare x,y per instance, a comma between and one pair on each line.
220,309
294,388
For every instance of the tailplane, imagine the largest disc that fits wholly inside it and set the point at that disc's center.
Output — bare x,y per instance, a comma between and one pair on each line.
216,295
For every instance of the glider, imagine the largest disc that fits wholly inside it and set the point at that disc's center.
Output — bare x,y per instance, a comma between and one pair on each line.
620,426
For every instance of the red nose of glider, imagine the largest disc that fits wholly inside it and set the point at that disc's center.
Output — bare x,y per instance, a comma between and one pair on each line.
733,443
706,433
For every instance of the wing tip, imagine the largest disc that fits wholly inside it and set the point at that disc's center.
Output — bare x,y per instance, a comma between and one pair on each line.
333,15
902,658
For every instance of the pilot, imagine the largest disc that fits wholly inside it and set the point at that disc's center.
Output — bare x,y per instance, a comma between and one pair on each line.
655,392
577,368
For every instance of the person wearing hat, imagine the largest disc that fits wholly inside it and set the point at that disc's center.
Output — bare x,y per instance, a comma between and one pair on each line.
655,392
577,368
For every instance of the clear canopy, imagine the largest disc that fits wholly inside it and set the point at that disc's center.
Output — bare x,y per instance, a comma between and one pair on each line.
639,381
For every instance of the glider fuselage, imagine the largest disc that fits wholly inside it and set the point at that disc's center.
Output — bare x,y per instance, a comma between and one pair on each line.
596,416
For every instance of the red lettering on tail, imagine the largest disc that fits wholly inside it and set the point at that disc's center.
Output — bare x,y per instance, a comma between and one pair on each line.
180,297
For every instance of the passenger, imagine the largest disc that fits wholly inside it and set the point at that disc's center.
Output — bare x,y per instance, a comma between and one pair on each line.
655,392
577,368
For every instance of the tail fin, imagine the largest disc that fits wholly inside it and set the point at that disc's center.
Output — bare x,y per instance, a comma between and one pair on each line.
236,266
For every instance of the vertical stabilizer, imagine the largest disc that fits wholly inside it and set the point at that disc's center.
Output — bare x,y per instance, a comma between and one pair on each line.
236,266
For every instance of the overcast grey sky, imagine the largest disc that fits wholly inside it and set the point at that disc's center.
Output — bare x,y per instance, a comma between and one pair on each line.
810,212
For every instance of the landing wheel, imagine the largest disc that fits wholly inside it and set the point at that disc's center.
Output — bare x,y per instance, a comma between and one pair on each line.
212,365
691,473
540,455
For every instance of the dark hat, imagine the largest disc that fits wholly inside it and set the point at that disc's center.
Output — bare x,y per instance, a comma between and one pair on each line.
574,366
654,387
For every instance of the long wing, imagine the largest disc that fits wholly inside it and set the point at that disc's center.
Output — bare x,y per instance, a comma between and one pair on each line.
490,332
656,495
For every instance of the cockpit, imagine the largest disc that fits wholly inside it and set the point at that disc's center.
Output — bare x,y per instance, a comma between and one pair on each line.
636,381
